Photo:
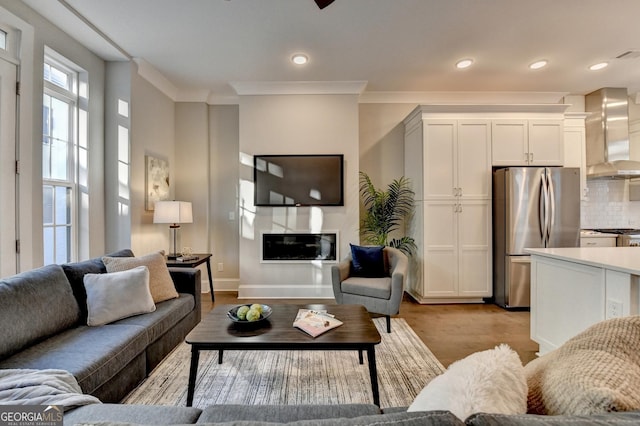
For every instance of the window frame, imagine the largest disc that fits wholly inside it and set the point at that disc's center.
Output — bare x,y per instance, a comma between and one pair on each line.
70,97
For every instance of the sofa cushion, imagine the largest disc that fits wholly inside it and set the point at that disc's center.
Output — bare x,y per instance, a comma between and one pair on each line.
34,305
490,381
92,354
367,261
283,413
612,419
165,317
435,418
76,271
160,282
117,295
595,371
370,287
150,414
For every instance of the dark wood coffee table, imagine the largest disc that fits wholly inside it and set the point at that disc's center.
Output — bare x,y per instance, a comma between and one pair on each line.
216,332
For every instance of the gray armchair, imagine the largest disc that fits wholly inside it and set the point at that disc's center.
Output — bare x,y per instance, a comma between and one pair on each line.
379,295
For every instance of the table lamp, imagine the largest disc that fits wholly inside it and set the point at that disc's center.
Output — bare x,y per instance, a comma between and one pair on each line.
175,213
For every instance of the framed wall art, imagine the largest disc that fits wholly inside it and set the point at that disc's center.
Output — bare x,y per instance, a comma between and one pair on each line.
157,181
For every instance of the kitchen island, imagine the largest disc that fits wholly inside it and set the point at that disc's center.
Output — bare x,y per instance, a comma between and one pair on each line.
574,288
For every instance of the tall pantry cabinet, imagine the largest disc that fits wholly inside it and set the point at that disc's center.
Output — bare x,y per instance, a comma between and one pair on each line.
449,162
449,154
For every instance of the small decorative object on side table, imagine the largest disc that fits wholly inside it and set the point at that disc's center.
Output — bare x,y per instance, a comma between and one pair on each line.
192,261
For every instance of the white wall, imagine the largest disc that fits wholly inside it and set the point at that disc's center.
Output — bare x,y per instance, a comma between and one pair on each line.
117,193
224,130
152,133
295,124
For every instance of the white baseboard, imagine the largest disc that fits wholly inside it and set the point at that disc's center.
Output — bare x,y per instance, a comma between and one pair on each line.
221,284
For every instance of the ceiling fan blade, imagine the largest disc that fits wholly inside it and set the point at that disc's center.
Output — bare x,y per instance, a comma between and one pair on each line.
323,3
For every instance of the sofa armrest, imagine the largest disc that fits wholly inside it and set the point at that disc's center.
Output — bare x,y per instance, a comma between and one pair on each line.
339,273
188,280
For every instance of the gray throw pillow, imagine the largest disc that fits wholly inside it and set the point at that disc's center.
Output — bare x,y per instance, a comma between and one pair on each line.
117,295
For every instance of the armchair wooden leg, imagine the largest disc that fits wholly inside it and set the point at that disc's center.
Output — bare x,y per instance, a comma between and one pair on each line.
388,324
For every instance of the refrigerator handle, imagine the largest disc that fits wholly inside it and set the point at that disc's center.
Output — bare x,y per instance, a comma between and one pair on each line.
552,209
544,209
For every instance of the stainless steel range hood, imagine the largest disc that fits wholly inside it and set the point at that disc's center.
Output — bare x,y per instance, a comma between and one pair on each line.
607,131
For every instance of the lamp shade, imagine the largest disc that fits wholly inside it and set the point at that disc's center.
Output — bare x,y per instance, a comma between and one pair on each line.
172,212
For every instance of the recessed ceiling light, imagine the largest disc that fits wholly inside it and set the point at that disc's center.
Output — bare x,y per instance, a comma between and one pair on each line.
599,66
464,63
299,59
538,64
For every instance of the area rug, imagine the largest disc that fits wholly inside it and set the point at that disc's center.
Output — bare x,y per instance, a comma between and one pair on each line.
405,365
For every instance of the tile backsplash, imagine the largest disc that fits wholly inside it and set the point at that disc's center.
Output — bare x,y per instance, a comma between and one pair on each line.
608,205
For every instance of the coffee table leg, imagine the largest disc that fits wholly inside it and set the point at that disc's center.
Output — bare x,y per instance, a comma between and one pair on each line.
373,372
360,357
220,356
193,373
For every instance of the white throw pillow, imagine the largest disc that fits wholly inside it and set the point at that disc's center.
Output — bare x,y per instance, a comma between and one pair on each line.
117,295
491,381
160,282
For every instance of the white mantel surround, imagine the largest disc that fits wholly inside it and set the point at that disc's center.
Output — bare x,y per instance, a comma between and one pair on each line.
295,124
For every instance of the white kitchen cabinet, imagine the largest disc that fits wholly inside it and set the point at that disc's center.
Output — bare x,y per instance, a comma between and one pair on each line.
456,159
575,147
520,142
573,288
597,241
452,221
566,298
456,251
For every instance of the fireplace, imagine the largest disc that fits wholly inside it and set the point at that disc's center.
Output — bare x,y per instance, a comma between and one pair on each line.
300,247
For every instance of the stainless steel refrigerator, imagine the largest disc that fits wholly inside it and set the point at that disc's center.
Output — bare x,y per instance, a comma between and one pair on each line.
533,207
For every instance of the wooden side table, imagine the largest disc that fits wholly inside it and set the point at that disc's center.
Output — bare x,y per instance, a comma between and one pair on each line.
199,260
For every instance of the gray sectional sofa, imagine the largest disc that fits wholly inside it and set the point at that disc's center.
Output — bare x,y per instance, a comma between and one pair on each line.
320,415
44,316
43,313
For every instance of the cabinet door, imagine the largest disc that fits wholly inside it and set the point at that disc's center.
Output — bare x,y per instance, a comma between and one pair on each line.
546,142
474,249
509,145
574,154
439,159
474,159
440,249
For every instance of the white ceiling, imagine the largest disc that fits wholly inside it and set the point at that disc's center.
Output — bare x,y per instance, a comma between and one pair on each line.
392,45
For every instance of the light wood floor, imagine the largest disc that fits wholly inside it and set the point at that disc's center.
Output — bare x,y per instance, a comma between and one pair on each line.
451,331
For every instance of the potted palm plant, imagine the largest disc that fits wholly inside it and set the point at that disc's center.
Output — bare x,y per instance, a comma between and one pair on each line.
385,212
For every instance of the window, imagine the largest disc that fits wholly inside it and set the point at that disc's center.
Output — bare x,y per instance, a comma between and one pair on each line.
3,40
59,161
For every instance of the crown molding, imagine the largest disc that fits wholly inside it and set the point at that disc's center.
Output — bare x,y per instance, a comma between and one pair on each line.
155,77
422,98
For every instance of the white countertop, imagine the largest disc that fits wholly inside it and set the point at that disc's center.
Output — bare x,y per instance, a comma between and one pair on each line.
623,259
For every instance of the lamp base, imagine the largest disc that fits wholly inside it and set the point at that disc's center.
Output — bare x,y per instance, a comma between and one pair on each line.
173,256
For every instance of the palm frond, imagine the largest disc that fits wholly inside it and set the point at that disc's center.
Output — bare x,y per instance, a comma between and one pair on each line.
386,210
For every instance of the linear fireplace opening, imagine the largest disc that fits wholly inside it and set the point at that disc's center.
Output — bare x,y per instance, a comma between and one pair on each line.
300,247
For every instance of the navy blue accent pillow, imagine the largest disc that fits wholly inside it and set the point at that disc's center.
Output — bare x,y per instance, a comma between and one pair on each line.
367,262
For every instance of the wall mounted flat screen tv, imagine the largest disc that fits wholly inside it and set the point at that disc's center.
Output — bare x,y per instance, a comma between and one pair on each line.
298,180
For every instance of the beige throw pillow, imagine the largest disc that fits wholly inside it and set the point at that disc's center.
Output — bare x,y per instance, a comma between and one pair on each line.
160,282
597,371
117,295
